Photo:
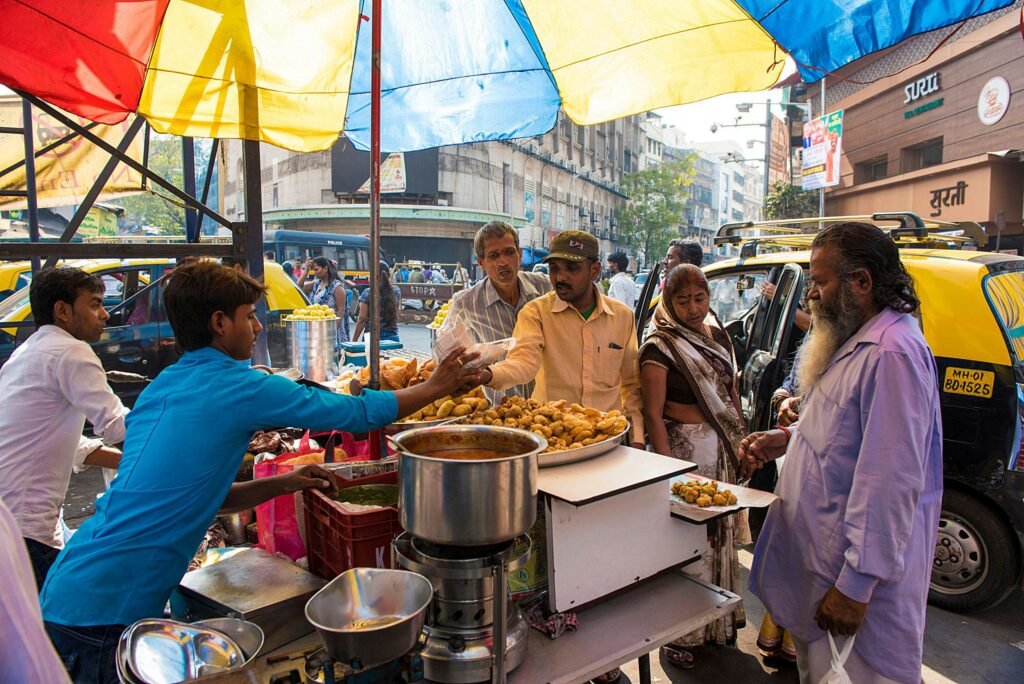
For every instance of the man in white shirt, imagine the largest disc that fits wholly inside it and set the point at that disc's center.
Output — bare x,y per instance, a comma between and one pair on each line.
52,383
621,286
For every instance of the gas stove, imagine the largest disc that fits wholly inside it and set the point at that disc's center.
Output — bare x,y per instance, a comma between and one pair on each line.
464,620
309,666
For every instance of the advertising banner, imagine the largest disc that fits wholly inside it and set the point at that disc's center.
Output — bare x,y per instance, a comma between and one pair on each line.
392,175
823,146
65,173
529,206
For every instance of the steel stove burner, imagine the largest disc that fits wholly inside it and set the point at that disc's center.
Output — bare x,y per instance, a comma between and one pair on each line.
408,668
431,550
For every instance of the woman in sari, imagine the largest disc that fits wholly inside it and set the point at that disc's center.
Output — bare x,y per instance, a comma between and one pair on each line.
692,412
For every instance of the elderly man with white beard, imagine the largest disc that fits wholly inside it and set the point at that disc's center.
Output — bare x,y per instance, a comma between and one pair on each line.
847,549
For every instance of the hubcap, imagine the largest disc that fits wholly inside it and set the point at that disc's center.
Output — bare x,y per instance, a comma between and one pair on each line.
961,559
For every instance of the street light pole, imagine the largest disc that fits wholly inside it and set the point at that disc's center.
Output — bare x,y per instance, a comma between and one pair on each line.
767,151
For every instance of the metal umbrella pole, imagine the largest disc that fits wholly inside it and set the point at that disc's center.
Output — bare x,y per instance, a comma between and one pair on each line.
373,353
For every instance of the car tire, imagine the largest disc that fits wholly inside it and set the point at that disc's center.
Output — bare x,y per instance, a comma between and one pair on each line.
977,556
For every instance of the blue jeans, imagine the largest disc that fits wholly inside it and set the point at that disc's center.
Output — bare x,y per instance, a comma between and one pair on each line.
88,652
389,336
42,557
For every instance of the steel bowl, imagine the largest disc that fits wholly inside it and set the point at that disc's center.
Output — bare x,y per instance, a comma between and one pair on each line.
248,635
369,616
467,502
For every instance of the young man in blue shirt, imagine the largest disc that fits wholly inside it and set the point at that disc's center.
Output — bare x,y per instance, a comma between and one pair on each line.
185,441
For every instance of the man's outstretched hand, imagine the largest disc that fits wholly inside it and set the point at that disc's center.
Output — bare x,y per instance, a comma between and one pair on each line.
760,447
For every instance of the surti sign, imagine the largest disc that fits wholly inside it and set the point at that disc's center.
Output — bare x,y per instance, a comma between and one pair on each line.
923,86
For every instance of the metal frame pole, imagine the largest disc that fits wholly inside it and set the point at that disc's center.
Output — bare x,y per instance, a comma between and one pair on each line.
373,353
821,190
252,235
188,171
30,179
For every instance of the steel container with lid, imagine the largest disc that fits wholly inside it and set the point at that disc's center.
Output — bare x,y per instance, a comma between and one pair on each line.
311,347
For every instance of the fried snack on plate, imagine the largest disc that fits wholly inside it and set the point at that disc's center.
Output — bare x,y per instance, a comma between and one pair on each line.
564,426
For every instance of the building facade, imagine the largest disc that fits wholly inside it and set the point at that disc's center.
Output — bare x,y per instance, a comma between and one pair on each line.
944,135
436,199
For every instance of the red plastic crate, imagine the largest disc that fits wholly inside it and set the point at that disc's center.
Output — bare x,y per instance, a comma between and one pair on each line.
337,541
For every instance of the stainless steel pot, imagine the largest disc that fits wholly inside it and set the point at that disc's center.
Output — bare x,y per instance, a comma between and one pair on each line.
467,502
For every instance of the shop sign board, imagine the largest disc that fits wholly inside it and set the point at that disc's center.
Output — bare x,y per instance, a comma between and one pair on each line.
529,206
951,196
994,100
823,145
923,86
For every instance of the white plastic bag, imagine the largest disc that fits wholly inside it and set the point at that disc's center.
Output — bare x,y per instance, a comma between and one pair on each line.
837,672
453,334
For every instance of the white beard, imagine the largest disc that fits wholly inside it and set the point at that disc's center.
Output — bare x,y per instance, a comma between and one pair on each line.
830,328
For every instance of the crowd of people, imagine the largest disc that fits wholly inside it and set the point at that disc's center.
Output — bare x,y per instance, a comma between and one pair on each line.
847,546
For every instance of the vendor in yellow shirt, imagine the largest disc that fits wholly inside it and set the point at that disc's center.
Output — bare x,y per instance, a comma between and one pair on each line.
579,344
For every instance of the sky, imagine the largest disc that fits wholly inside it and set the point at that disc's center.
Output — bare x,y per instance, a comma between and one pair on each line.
695,119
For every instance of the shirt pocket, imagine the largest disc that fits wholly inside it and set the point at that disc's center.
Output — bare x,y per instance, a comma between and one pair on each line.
609,367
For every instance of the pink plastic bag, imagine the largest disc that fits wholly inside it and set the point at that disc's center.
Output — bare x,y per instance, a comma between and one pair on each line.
276,520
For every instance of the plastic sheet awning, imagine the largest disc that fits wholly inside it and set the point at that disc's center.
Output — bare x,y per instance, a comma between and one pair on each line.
296,74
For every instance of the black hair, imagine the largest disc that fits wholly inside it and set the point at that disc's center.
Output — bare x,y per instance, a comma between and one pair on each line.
690,251
269,254
388,301
682,275
332,270
62,284
197,291
864,246
620,260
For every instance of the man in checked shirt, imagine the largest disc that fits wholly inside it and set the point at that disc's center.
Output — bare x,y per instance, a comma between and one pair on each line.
490,308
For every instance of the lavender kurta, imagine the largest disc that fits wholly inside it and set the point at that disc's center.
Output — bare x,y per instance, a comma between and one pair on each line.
859,497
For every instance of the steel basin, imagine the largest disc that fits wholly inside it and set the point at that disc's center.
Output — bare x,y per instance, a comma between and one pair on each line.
467,502
369,616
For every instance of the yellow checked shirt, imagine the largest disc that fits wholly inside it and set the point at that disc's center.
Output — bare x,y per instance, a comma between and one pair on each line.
592,362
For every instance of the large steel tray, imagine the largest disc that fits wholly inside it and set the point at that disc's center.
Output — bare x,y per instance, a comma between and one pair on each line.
557,458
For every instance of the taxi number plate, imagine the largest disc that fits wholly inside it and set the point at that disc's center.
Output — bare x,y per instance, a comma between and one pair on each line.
973,383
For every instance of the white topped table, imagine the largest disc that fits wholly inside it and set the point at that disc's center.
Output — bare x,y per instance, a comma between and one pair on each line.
617,471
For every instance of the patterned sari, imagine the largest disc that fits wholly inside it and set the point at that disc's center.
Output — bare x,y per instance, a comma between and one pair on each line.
708,366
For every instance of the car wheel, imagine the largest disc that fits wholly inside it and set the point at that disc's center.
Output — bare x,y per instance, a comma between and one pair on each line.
977,556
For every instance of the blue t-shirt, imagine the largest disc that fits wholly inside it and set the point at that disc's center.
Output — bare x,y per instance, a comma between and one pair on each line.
186,438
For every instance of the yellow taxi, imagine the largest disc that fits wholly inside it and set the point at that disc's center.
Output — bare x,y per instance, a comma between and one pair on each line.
138,338
972,315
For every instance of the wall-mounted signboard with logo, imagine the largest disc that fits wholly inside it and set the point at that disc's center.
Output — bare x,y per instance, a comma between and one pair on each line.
994,100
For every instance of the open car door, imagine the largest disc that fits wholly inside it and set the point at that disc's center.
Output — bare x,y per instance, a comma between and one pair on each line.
769,340
643,312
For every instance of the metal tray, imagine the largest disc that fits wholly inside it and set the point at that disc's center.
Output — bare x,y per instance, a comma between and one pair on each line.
395,428
557,458
165,651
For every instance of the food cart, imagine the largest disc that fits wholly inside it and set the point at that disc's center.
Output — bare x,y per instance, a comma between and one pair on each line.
617,541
